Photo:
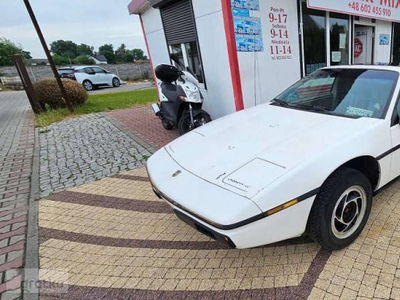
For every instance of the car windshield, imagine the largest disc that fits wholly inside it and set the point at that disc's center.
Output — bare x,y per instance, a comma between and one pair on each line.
344,92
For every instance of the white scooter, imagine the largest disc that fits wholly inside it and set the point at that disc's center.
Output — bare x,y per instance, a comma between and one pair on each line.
180,100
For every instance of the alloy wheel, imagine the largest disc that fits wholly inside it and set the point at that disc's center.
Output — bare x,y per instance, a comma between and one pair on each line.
88,86
349,212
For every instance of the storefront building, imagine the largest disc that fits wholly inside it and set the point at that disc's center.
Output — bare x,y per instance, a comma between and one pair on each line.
246,52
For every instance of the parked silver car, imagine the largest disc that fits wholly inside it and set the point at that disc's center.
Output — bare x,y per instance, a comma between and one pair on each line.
91,77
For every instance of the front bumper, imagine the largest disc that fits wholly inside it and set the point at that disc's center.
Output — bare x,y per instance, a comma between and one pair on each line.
192,222
219,213
204,229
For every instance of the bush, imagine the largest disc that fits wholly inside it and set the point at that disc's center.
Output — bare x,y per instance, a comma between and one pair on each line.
48,92
60,60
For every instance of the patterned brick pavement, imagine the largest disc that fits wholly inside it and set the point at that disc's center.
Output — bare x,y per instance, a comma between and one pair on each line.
113,239
17,141
143,122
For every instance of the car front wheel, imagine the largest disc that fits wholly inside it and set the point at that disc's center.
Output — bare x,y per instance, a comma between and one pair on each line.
87,85
116,82
341,209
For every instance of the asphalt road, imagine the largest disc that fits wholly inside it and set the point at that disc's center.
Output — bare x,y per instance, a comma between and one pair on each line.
123,88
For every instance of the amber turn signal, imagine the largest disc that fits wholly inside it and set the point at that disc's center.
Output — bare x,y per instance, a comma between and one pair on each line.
282,207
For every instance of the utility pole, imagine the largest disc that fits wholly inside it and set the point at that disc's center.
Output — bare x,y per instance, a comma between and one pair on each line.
49,57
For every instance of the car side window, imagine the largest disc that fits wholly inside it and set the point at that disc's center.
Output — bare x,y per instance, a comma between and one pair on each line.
98,70
396,113
397,119
89,70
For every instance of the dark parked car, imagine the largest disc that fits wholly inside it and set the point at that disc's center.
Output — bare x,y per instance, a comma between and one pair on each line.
67,73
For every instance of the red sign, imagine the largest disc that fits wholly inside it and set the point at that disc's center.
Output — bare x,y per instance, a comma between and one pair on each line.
358,48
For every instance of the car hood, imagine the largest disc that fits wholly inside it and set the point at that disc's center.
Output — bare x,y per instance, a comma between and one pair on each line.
247,151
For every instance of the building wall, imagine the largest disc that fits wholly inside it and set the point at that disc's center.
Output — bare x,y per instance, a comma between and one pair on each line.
263,78
154,31
219,98
263,74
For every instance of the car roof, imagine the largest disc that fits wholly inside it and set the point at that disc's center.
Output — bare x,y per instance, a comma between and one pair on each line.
82,67
366,67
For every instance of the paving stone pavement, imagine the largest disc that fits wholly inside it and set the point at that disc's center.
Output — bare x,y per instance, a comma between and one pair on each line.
114,239
17,141
142,121
85,149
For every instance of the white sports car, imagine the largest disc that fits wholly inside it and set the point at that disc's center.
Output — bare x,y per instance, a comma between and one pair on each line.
309,161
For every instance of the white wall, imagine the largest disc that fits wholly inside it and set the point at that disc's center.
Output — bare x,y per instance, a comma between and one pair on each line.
219,99
155,37
264,78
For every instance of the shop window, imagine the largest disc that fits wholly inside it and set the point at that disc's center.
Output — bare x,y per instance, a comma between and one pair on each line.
339,39
180,31
194,61
189,59
314,29
177,50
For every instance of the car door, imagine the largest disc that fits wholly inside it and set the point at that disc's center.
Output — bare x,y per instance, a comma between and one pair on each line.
395,133
101,75
91,75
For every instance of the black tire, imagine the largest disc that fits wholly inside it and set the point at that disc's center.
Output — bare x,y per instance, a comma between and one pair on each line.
88,85
116,82
323,225
184,123
167,125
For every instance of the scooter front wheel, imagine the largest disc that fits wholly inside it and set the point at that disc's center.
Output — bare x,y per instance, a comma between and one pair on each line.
199,119
167,125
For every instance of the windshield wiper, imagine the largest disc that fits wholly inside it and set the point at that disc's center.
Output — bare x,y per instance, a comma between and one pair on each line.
311,107
315,108
281,102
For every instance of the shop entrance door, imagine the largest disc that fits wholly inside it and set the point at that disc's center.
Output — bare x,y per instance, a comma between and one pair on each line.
363,45
396,45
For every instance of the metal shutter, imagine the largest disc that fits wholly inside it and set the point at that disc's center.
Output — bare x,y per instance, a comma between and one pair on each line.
179,23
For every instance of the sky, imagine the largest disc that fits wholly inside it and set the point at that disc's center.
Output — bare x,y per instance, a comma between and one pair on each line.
92,22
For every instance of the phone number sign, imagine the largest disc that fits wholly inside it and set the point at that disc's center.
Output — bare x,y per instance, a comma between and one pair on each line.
388,10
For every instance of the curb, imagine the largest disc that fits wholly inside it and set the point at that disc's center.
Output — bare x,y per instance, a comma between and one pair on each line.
31,266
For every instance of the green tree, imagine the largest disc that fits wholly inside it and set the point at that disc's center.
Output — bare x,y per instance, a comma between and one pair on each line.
26,55
60,60
84,60
7,51
84,49
108,51
121,53
64,48
129,58
138,54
